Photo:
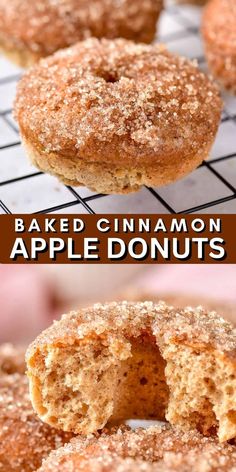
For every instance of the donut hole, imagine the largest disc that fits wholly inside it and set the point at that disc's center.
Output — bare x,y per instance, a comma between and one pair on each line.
110,77
111,80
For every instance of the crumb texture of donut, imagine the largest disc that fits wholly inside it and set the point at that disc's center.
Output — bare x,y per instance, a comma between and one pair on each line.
156,449
136,360
31,30
114,115
219,35
24,439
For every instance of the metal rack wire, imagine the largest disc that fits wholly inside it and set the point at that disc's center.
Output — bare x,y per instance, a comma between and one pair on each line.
211,188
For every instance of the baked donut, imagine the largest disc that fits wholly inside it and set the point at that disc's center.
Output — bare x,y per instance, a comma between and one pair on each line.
114,115
12,359
24,439
219,35
136,360
157,449
31,30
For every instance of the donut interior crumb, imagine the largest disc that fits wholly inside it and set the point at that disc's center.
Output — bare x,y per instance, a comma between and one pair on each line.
136,385
138,371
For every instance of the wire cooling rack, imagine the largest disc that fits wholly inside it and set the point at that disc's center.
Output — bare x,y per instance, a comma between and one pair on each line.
209,189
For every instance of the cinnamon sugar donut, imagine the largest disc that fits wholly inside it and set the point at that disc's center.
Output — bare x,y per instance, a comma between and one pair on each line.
12,359
219,34
31,30
114,115
136,360
157,449
24,439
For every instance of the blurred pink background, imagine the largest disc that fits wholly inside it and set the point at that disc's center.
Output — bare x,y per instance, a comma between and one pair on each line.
32,296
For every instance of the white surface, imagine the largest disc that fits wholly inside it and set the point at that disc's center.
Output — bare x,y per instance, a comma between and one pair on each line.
134,424
200,191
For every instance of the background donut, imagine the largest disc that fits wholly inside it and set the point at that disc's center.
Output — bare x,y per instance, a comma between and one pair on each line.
219,35
156,449
31,30
24,439
12,359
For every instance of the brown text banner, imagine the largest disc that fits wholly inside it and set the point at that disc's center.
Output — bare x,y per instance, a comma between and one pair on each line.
146,239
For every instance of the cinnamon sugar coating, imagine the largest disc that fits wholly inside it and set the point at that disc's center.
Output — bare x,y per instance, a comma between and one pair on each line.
226,309
136,360
31,30
190,325
114,115
219,34
156,449
24,439
12,359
